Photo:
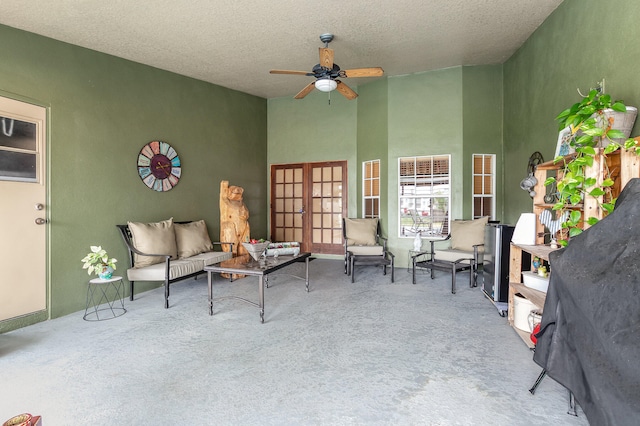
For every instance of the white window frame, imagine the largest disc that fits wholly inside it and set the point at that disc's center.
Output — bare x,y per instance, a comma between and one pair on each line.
431,217
368,182
491,194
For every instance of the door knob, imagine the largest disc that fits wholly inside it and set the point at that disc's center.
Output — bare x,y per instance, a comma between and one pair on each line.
40,221
39,206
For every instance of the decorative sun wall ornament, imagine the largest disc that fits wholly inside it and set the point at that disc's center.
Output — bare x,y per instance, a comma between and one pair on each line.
159,166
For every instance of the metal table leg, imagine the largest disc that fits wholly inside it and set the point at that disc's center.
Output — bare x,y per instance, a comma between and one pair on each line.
453,277
306,274
210,284
261,296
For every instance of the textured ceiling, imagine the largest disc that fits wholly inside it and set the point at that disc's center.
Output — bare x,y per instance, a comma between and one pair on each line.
234,43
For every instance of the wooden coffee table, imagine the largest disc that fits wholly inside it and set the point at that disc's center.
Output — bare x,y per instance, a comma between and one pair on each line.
245,265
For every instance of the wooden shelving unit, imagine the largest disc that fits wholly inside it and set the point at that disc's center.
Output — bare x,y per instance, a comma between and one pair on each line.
623,166
515,286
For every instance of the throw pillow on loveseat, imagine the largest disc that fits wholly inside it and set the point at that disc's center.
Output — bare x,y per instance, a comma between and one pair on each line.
169,251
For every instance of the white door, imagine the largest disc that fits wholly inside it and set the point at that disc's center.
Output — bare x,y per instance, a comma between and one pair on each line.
23,288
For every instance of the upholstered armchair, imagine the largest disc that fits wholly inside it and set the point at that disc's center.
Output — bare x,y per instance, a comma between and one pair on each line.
363,245
465,250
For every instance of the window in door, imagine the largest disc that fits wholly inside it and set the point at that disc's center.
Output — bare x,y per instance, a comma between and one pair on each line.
484,186
19,155
424,196
371,189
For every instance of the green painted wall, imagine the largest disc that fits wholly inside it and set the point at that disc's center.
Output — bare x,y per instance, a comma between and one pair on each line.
425,118
482,127
581,43
373,142
102,110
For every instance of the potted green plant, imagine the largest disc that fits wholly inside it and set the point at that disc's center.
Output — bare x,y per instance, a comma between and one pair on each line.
591,124
98,262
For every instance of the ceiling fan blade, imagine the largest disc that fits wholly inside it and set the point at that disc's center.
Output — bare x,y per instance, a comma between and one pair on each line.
290,72
304,92
364,72
346,90
326,57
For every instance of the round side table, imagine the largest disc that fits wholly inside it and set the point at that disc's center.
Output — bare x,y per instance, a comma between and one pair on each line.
105,299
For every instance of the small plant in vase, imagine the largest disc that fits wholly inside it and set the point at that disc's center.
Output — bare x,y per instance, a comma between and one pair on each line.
591,123
98,262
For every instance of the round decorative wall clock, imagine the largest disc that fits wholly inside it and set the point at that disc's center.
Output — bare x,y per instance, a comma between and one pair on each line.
159,166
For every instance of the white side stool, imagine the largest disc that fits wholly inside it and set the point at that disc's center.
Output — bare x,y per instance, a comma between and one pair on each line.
108,293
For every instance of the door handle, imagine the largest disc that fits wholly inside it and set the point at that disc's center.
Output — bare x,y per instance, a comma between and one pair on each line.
40,221
39,206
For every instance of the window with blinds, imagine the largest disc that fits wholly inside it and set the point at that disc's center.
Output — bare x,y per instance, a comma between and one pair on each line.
371,189
484,185
424,195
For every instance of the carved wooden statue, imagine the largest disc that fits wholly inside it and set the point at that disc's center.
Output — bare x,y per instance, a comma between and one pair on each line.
234,218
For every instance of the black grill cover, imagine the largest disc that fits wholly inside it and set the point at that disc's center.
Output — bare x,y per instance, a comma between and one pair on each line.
590,333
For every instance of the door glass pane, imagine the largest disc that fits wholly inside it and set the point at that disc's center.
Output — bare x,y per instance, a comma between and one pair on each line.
288,190
326,173
337,189
288,205
337,173
18,134
326,189
317,189
288,220
18,166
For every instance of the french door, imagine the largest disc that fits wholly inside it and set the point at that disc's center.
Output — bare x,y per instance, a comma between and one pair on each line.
308,202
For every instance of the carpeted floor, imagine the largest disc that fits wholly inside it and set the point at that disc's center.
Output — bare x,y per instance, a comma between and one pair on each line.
371,352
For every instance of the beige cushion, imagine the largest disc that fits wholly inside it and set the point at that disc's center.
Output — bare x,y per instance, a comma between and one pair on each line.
453,255
466,233
361,232
178,268
366,250
212,257
192,238
153,238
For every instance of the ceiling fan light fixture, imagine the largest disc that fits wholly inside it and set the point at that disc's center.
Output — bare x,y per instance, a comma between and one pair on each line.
326,85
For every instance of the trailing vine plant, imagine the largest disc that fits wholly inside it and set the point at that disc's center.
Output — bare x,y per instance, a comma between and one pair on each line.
588,125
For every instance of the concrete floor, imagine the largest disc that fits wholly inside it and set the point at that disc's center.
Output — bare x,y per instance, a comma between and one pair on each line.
370,352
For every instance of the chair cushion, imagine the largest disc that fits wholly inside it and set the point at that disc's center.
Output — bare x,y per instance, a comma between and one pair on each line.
211,257
361,232
153,238
466,233
366,250
192,238
453,255
178,268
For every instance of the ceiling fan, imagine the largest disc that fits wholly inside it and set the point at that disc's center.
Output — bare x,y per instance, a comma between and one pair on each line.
327,73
